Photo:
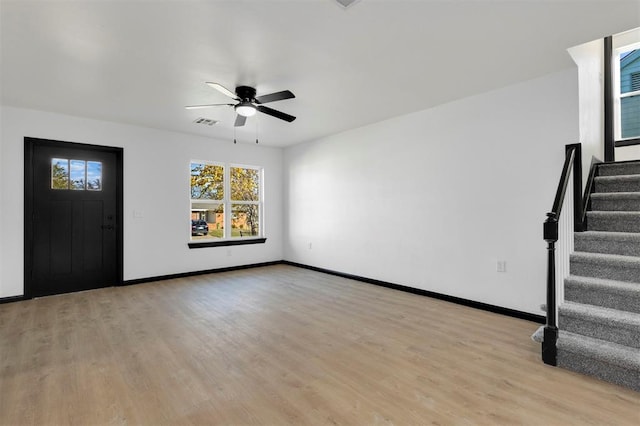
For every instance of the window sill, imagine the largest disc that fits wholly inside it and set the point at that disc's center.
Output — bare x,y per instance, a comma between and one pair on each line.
226,243
627,142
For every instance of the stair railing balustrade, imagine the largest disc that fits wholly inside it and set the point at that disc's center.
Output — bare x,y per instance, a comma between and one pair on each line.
572,165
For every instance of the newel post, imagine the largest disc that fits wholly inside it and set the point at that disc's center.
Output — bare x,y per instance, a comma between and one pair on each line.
549,349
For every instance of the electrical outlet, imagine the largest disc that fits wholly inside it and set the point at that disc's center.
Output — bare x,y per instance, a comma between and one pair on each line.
501,266
228,252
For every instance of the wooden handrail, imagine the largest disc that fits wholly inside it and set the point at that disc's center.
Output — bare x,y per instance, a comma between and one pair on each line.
572,162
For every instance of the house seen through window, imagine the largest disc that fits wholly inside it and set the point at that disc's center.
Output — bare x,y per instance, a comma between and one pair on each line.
226,201
628,123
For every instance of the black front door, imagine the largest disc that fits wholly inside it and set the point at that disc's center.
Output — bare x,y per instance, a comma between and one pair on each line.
72,217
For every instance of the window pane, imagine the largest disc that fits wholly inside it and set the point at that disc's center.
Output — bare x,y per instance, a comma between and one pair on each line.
245,220
630,71
207,221
630,116
59,173
78,173
94,175
207,181
245,184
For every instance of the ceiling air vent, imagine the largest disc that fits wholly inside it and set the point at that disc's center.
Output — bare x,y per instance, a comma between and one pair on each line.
207,121
346,3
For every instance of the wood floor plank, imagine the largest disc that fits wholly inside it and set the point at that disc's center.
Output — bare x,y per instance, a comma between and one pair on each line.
282,345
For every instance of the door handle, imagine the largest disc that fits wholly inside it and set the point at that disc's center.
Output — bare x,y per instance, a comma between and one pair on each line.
107,227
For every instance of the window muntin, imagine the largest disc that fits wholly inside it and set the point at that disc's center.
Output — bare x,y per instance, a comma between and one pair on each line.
76,175
228,198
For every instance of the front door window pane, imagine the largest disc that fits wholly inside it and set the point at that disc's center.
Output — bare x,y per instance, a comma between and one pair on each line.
59,173
94,175
78,174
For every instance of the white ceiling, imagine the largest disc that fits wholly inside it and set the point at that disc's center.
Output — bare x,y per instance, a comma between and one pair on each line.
140,62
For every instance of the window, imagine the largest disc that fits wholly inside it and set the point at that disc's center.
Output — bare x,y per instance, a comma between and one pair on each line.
627,82
78,175
226,202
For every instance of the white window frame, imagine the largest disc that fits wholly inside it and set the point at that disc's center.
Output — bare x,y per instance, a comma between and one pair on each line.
227,202
617,96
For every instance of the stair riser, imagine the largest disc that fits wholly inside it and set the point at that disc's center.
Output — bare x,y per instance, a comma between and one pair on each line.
607,298
592,327
606,246
603,370
618,186
617,224
619,169
608,271
615,205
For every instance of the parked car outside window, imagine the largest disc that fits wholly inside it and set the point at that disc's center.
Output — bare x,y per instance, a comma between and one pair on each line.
199,227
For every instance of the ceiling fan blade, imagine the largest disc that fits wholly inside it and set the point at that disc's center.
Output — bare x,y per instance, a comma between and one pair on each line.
240,120
220,88
205,106
277,114
272,97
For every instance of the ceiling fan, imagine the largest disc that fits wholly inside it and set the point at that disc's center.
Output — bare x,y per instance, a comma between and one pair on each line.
249,103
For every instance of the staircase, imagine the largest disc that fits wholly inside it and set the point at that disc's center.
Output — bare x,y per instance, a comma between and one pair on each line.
599,320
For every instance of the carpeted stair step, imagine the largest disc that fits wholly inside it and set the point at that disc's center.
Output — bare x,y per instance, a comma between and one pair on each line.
607,266
622,243
616,169
611,294
599,321
615,201
607,324
613,221
605,360
622,183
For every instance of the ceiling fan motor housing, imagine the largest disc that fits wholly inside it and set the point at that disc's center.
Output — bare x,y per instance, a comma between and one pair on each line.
246,93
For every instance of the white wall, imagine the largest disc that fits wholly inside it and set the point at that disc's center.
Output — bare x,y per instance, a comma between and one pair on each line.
589,57
433,199
156,182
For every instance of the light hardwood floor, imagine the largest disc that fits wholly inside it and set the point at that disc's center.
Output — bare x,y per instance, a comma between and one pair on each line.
282,345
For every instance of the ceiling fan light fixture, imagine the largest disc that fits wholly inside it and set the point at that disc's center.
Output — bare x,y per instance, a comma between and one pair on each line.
246,109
